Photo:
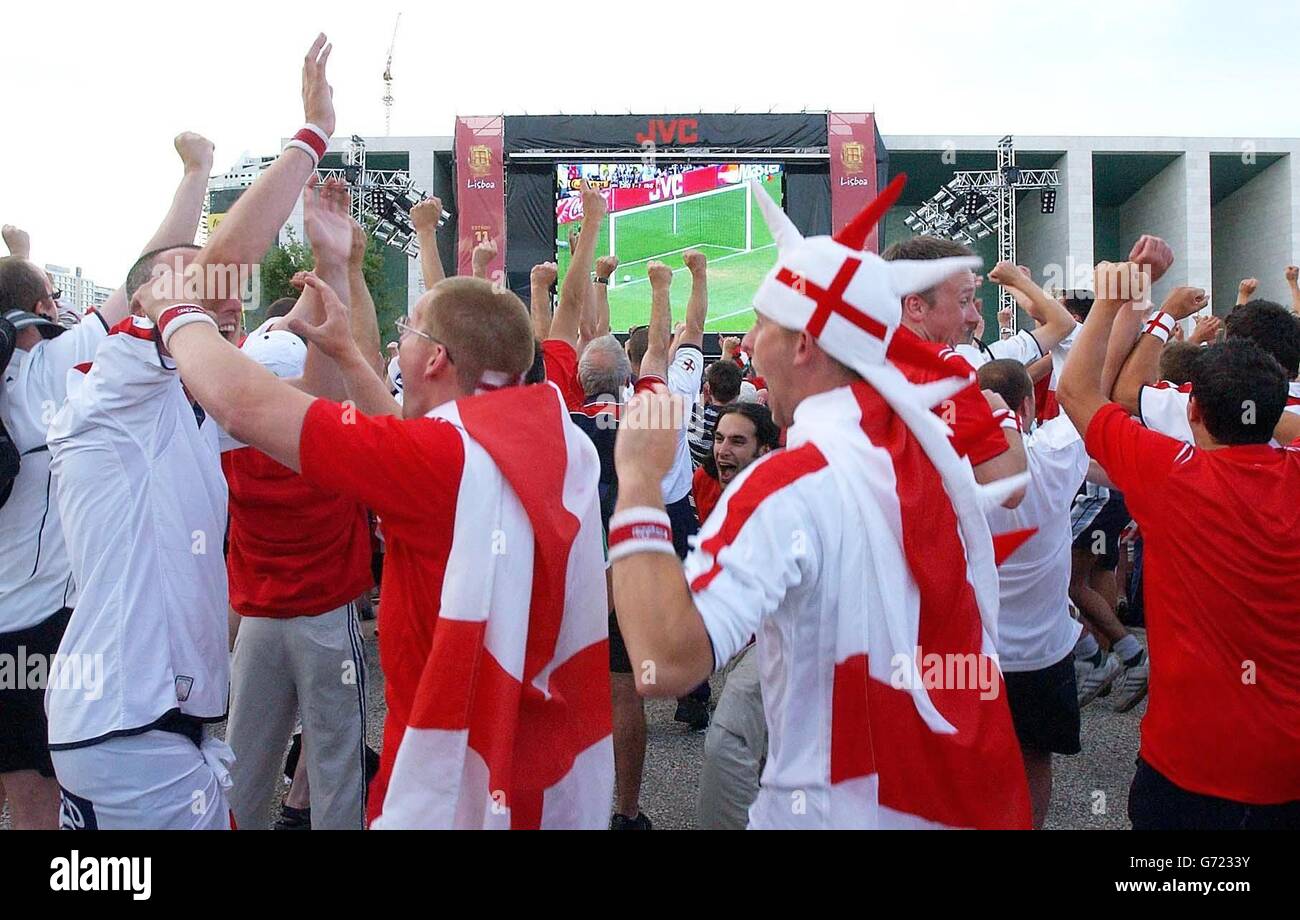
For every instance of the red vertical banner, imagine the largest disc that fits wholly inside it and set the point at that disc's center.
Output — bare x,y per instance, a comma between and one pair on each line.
852,141
480,190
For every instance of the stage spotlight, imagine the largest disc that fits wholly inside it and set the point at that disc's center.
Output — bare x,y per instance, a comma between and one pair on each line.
1048,201
974,200
1011,174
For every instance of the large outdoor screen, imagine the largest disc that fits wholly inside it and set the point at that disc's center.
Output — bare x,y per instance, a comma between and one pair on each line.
657,213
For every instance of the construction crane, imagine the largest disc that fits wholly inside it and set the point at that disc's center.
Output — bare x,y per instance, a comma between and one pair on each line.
388,81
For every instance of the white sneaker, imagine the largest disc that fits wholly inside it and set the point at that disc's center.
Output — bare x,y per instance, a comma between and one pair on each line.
1094,680
1131,686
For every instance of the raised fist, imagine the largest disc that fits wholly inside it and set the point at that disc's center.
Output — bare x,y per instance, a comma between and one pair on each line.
1153,254
1184,301
543,275
695,261
606,266
1246,289
19,243
1293,274
1006,274
195,152
426,214
660,275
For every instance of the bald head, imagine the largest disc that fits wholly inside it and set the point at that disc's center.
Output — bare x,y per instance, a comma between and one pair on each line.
604,368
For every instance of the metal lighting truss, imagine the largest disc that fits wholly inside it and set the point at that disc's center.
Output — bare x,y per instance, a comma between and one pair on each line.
977,203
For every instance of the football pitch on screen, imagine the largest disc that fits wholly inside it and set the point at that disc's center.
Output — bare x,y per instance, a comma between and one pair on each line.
721,224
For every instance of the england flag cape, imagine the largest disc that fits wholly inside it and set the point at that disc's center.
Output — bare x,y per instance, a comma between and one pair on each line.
511,723
904,753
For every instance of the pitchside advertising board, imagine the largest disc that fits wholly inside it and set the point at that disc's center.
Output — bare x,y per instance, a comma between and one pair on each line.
829,166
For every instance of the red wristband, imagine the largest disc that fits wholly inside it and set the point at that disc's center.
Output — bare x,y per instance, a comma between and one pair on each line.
640,530
172,319
311,140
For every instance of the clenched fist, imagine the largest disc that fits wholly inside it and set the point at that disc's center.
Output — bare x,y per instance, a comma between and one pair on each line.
1293,274
19,243
426,214
1246,290
660,275
695,261
1184,301
195,152
606,266
1153,254
543,275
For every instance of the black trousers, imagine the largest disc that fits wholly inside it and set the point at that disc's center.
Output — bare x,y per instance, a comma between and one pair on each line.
1155,803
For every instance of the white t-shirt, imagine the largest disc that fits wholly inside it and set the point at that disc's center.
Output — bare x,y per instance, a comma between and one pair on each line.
143,502
1163,408
1035,629
35,576
813,562
1022,346
684,376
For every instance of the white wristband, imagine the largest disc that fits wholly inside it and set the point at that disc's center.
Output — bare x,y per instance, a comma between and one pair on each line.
1161,326
1008,419
181,315
640,530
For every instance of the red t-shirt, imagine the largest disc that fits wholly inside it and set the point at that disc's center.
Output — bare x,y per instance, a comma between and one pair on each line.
295,550
706,490
408,472
975,435
1221,575
561,360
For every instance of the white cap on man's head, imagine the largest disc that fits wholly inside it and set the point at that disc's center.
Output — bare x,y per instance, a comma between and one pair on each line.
278,350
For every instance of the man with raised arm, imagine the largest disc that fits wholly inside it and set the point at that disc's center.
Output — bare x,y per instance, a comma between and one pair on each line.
145,532
681,368
859,555
424,217
1054,324
494,644
931,321
1221,737
1163,406
298,558
37,591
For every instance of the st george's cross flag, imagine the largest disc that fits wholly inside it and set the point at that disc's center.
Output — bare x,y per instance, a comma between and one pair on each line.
509,724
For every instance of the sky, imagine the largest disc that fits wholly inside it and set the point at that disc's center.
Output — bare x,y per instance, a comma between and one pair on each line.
93,94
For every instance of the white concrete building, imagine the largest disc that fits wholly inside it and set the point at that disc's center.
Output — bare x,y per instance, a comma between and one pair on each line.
79,292
1229,207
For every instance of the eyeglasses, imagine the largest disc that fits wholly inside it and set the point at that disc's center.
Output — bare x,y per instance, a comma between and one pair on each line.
404,328
53,297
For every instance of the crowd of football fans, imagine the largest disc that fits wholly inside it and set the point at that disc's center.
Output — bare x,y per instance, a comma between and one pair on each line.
1099,551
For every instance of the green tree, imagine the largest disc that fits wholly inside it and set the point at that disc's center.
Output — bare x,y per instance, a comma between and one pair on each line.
283,261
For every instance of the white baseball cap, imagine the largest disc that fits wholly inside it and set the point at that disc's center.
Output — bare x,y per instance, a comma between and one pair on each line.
278,350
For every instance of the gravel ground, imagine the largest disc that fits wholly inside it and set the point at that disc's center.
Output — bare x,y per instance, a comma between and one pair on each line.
1091,788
